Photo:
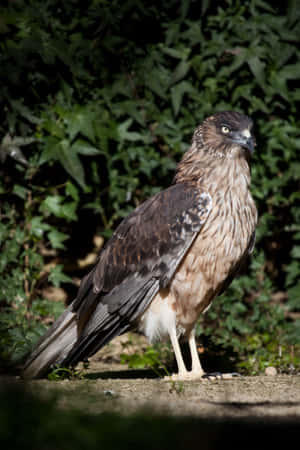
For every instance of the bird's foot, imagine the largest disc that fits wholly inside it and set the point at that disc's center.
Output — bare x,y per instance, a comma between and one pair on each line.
184,376
193,375
220,376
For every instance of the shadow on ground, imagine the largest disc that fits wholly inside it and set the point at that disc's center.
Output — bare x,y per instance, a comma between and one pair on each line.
31,421
126,374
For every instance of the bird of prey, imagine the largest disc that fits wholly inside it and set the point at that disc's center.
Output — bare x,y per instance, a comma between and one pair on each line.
169,259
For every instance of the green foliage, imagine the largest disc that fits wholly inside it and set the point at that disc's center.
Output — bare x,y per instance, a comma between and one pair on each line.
65,373
157,358
149,358
99,100
21,268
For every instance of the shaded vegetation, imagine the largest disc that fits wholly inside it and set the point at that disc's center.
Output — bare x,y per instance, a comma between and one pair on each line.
98,102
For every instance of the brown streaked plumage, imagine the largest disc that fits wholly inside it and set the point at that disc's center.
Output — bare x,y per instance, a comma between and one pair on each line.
169,258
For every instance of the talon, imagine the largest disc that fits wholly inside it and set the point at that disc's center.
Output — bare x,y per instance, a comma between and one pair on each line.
186,376
221,376
213,375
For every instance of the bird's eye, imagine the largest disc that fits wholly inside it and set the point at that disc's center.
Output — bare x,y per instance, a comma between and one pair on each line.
225,130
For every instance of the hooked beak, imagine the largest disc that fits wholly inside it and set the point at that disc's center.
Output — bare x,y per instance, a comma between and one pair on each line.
245,139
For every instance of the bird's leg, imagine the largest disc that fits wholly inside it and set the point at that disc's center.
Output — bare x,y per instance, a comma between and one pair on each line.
182,372
197,371
196,364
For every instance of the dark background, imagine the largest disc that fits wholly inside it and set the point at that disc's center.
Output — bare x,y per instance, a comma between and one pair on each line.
99,101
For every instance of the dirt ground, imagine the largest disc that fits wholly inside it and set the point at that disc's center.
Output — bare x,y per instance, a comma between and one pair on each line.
114,407
115,388
109,386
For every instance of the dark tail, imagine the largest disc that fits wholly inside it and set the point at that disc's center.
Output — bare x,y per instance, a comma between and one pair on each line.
66,343
53,347
89,323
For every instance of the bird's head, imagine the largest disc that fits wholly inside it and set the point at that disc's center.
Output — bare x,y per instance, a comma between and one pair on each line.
227,133
224,137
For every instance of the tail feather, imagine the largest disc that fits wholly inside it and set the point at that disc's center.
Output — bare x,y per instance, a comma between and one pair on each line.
101,328
109,319
65,344
87,346
87,326
53,347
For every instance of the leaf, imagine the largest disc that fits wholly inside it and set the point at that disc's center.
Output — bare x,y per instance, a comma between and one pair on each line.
173,52
172,33
10,147
20,191
56,276
204,6
293,11
81,122
50,150
69,210
84,148
177,93
240,57
53,204
257,68
157,80
57,238
180,71
38,227
72,190
124,134
21,141
25,111
295,253
294,295
265,6
290,72
70,162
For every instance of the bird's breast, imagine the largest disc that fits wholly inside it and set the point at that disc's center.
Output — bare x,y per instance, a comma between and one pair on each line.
216,252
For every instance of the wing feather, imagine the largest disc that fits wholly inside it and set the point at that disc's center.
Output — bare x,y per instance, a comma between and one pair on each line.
140,258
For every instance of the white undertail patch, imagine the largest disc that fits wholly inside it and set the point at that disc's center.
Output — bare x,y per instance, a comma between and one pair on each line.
158,319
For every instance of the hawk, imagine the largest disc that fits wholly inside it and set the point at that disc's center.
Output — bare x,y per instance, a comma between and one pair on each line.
171,256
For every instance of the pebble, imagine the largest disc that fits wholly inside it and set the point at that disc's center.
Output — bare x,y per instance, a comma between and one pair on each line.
109,393
271,371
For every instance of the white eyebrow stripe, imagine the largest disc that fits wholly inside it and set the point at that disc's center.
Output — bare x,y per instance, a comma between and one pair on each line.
246,133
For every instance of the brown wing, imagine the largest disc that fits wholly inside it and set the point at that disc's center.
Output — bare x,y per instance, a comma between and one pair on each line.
153,239
139,259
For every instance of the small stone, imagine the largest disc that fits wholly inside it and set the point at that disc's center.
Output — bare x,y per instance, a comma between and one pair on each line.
109,393
271,371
